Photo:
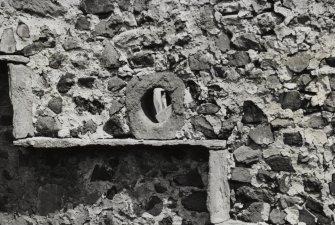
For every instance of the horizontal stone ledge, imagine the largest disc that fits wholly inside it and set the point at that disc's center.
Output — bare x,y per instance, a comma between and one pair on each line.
45,142
235,222
14,59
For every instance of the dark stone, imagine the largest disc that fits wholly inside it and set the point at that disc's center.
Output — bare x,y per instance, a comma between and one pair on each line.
314,205
330,61
97,6
247,155
290,100
280,163
223,42
110,57
307,217
111,192
208,109
33,49
65,83
248,41
141,5
160,188
239,58
195,89
298,62
115,84
252,114
332,188
262,135
316,122
196,201
332,82
241,174
199,61
86,82
100,173
47,126
201,124
172,203
166,221
115,107
284,183
154,206
330,102
206,20
277,216
246,193
293,139
89,126
255,212
312,184
40,8
266,176
227,129
56,60
114,127
49,199
142,59
94,107
23,30
56,104
110,27
83,23
70,44
193,178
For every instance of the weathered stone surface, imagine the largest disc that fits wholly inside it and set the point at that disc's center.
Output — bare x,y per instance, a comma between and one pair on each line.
21,98
293,139
282,123
8,42
86,82
252,114
140,124
241,174
262,135
201,124
277,216
298,62
71,43
22,30
196,201
280,163
47,126
65,83
33,49
49,199
115,84
330,102
312,184
208,108
218,200
154,206
227,129
199,61
100,173
56,60
83,23
223,42
14,59
97,6
92,106
142,59
239,58
110,57
89,127
255,194
256,212
307,217
41,8
247,41
56,104
114,127
247,155
316,122
192,178
116,107
290,100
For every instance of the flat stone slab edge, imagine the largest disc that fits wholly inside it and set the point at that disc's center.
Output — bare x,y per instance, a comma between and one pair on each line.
46,142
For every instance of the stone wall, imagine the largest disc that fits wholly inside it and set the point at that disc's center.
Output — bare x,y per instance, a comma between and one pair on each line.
257,73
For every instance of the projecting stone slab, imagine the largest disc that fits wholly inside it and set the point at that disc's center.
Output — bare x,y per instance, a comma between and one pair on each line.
218,200
14,59
21,97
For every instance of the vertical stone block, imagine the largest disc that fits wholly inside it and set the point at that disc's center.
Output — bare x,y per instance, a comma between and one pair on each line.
21,97
218,200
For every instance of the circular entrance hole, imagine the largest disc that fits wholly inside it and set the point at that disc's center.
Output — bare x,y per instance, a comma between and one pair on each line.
156,105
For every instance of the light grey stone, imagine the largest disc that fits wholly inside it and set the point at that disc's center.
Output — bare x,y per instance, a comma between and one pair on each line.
8,43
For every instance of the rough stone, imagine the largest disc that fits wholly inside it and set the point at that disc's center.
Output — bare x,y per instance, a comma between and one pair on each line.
290,100
247,155
56,60
262,135
52,8
192,179
256,212
100,173
316,122
49,199
247,41
114,127
241,174
280,163
97,6
56,104
252,114
71,43
255,194
47,126
208,108
110,57
277,216
86,82
154,206
8,42
312,184
14,59
293,139
239,58
330,102
199,61
282,123
115,107
33,49
21,98
116,84
196,201
94,106
65,83
142,59
298,62
223,42
307,217
201,124
89,127
22,30
227,129
83,23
